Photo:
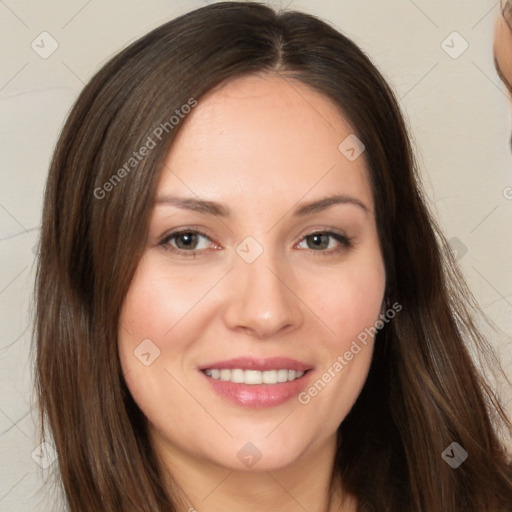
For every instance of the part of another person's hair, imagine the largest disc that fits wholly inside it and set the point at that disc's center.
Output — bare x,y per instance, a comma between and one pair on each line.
507,9
423,391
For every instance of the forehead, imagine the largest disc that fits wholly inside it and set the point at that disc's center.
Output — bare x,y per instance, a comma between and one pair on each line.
264,133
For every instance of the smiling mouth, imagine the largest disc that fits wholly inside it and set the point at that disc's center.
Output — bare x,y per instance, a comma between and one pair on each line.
254,377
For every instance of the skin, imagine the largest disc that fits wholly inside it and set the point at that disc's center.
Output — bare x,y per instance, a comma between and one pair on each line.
261,148
503,48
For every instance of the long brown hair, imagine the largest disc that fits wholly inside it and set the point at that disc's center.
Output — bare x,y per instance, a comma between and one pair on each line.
423,391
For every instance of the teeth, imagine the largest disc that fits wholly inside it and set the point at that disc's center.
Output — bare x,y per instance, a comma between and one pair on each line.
239,376
282,375
236,376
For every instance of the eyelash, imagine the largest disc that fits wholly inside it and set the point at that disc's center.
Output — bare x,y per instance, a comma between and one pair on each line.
344,242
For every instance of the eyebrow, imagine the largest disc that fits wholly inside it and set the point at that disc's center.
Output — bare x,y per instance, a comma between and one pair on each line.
217,209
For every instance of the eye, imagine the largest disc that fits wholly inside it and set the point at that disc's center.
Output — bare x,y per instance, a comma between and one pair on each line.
186,241
325,241
190,242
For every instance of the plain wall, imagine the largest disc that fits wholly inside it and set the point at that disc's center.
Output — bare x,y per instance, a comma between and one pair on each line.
457,109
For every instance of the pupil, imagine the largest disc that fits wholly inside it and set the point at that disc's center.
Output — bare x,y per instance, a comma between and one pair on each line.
320,241
188,238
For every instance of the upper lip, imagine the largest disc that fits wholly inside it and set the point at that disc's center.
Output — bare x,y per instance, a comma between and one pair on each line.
261,364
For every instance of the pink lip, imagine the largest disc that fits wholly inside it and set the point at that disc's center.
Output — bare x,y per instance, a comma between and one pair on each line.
252,363
259,395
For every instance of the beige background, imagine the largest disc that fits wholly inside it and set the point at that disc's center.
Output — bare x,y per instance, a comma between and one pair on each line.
457,109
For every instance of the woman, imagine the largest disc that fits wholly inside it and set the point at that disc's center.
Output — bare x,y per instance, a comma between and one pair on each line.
242,299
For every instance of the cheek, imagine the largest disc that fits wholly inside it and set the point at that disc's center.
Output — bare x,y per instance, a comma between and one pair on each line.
150,336
158,300
351,305
154,336
351,300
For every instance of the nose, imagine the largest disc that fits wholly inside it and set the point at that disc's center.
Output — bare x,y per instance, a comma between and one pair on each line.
262,301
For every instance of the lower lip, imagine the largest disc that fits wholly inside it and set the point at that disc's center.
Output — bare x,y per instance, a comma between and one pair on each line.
259,395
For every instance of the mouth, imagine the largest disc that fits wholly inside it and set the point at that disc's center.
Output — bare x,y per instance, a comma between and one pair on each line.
257,383
254,377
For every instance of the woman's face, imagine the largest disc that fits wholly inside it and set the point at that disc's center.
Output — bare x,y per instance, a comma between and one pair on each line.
238,338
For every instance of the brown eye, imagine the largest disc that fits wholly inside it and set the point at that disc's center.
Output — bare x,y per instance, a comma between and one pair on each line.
186,241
